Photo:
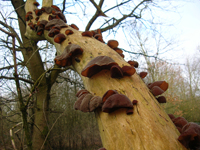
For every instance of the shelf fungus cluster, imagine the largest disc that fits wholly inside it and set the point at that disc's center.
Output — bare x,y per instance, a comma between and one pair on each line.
95,33
190,132
111,101
70,51
157,88
56,21
106,63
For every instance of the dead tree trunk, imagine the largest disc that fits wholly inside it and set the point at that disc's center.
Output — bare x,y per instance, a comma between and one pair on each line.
149,127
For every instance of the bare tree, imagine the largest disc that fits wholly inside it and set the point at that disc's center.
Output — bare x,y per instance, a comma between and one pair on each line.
117,129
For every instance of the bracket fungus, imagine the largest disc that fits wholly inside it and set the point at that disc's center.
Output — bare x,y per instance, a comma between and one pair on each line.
112,44
134,102
102,148
108,94
179,122
162,84
116,71
36,4
55,22
59,38
74,26
65,59
116,101
161,99
156,90
87,33
53,32
87,102
133,63
96,65
128,70
143,74
190,136
69,32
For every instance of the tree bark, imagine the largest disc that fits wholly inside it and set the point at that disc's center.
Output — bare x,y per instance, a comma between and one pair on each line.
149,128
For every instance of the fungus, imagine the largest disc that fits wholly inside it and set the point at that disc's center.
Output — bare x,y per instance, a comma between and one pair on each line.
171,116
37,18
51,17
162,84
190,136
112,44
53,32
128,70
74,26
108,94
36,4
55,7
116,71
77,104
179,122
116,101
48,10
129,111
99,37
102,148
38,12
59,38
161,99
95,102
69,32
65,59
118,50
156,90
81,92
40,30
122,55
133,63
143,74
28,17
31,25
87,33
96,65
58,22
42,23
60,15
84,107
134,102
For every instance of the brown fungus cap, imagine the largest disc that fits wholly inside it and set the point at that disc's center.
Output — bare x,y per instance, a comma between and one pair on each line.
116,71
112,44
162,84
59,38
95,102
65,59
58,22
84,107
171,116
77,104
133,63
74,26
42,23
96,65
128,70
87,33
143,74
190,136
81,92
53,32
69,32
116,101
108,94
180,122
161,99
156,90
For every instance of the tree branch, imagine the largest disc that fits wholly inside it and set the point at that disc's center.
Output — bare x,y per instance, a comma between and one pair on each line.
98,12
13,78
